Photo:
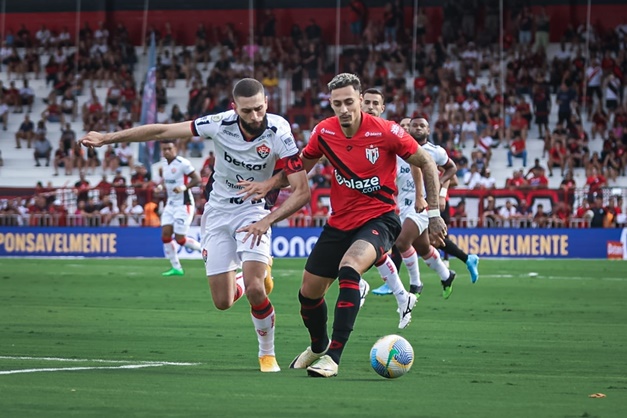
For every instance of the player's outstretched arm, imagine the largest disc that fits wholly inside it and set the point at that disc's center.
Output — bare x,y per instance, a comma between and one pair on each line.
152,132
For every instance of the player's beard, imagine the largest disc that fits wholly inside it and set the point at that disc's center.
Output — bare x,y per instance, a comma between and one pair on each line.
421,139
254,130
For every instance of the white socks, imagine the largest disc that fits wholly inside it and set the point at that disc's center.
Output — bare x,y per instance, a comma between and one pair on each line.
388,272
170,253
435,263
410,258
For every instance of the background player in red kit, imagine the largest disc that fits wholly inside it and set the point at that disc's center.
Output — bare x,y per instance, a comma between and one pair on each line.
363,225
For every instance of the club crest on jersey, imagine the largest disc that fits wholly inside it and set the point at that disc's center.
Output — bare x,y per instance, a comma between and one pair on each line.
263,151
173,170
372,154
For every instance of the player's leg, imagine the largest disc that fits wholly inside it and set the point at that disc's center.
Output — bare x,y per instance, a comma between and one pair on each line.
413,226
167,229
471,260
255,262
431,257
182,222
321,270
219,252
369,243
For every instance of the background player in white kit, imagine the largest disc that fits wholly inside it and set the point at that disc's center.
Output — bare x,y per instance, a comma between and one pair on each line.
179,209
235,231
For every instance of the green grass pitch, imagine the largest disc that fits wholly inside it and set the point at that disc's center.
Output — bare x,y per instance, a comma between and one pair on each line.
532,338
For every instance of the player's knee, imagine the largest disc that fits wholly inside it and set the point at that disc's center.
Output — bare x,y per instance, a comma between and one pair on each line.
180,240
402,244
255,294
222,303
165,239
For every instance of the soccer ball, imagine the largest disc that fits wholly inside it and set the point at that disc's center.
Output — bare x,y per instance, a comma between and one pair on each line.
391,356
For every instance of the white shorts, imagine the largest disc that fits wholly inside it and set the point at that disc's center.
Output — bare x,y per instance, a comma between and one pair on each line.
420,219
222,247
178,216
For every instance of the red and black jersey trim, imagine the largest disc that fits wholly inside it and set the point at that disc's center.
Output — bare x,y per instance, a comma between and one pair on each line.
349,174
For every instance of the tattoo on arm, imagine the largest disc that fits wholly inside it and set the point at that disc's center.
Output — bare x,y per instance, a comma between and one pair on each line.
424,161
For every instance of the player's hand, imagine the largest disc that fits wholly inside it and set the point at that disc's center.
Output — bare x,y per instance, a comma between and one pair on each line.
442,203
421,204
437,231
93,139
257,230
254,189
179,189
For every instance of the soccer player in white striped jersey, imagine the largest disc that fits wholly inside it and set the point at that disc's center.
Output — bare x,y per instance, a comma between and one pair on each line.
178,176
235,231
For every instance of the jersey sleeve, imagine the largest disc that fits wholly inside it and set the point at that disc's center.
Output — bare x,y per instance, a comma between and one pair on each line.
188,168
207,126
312,150
402,143
440,157
285,140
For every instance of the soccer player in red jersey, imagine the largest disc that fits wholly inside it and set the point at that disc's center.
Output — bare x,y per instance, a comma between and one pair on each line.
363,225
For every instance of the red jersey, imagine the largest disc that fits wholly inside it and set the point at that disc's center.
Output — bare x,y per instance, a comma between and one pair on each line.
363,186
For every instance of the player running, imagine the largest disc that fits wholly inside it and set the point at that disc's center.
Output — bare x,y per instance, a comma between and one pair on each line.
363,225
179,208
234,232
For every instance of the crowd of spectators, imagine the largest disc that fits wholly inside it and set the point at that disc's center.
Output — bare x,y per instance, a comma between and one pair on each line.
457,86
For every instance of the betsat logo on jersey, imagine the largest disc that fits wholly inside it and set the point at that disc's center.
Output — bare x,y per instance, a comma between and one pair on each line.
248,166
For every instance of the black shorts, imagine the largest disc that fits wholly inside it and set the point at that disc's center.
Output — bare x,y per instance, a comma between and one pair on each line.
333,243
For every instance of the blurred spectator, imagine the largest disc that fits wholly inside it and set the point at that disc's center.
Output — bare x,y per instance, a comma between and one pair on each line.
541,218
538,180
4,114
487,181
125,155
61,159
517,181
119,185
472,178
491,216
506,213
517,150
81,188
26,97
598,212
43,149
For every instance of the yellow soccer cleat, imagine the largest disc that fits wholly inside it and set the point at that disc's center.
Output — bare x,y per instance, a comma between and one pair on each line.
268,364
268,282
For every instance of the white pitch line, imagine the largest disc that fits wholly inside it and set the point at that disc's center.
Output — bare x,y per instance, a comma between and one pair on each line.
165,363
72,369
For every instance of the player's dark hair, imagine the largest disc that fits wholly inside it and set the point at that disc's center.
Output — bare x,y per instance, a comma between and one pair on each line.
344,80
168,141
247,87
419,117
374,91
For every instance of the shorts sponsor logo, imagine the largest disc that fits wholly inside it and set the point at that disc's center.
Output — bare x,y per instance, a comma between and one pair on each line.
248,166
326,131
365,186
369,134
375,232
204,255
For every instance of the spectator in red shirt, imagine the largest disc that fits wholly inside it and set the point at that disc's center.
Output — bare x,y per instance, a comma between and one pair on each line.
595,181
517,181
557,157
517,127
538,180
518,150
